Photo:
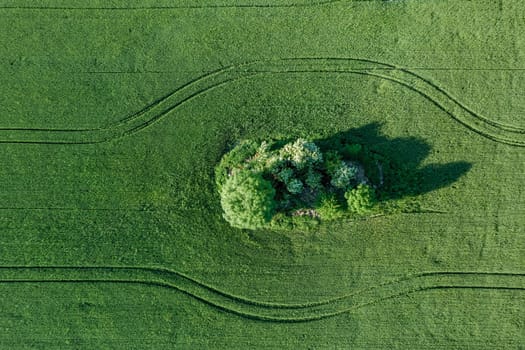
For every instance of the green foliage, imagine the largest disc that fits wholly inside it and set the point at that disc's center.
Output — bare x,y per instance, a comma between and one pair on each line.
233,160
281,221
295,186
301,153
352,150
285,175
297,179
313,179
329,208
285,201
361,199
264,158
247,200
304,223
370,162
332,161
344,176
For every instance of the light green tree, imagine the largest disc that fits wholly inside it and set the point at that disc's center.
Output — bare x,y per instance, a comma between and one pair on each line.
247,200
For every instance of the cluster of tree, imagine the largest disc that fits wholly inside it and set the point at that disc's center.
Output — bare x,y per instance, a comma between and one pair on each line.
269,183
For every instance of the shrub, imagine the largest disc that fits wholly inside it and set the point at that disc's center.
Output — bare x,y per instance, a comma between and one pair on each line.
344,176
361,199
295,186
329,208
285,175
352,150
264,158
332,161
304,223
301,153
233,160
313,180
247,200
281,221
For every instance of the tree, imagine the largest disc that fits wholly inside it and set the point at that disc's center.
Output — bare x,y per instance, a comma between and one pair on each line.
247,200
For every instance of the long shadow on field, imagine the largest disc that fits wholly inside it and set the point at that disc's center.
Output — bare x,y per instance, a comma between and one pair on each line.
396,162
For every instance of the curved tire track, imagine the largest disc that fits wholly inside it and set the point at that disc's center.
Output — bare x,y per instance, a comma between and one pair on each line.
265,311
481,125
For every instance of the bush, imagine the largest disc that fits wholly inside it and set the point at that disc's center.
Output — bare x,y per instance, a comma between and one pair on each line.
247,200
361,199
304,223
264,158
352,150
285,175
295,186
344,176
329,208
332,161
301,153
281,221
232,161
313,180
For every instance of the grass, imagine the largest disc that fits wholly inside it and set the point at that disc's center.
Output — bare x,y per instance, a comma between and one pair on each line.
144,195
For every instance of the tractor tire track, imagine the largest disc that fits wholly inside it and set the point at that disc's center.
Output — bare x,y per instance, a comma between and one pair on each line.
481,125
259,310
171,7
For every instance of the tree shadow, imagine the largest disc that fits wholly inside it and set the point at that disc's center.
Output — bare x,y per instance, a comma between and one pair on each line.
394,164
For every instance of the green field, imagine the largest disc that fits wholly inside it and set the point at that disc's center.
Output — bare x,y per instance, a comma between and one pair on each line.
114,114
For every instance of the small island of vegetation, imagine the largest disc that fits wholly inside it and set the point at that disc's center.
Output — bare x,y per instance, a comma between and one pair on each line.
283,184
